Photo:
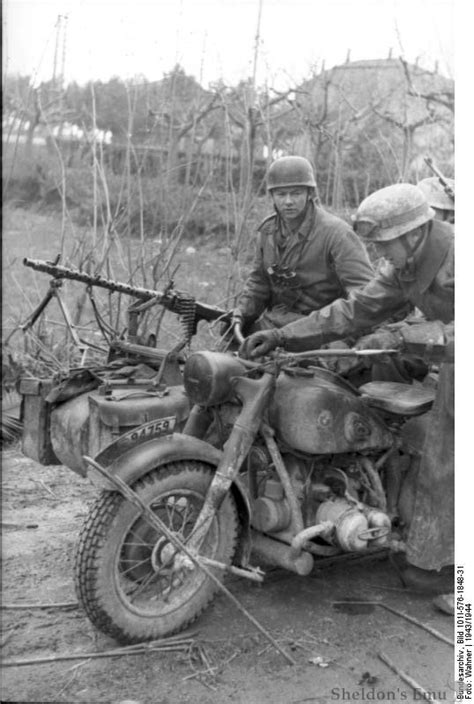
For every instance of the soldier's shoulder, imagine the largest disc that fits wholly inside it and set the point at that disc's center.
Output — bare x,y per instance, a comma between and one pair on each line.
441,235
268,224
446,228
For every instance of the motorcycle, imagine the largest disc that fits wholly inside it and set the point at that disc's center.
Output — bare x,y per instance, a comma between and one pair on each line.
280,462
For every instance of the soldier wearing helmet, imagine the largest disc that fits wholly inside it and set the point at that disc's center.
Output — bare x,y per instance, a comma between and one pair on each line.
419,268
438,197
305,257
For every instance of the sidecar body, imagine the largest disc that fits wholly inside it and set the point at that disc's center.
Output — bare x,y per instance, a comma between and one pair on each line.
87,411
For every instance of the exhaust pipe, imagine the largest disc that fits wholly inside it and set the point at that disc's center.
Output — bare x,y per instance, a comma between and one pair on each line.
277,553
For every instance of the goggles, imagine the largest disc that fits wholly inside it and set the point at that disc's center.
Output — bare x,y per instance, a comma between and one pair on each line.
364,228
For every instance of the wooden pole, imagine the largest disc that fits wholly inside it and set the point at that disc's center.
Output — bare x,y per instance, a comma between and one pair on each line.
411,619
163,647
406,678
433,631
57,605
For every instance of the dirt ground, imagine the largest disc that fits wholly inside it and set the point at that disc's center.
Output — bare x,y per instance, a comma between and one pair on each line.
336,652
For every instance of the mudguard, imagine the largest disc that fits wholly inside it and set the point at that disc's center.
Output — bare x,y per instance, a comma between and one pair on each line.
140,459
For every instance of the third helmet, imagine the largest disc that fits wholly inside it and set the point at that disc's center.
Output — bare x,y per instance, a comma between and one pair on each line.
290,171
435,193
392,212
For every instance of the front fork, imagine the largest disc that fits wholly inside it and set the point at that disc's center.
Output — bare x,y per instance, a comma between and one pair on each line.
254,394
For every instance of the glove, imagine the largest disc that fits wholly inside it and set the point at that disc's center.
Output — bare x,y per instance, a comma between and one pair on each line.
382,340
433,341
261,343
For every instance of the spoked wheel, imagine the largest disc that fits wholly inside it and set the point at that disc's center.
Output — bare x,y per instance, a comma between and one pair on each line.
129,578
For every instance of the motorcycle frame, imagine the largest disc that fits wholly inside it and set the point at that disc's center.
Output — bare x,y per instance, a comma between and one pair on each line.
254,395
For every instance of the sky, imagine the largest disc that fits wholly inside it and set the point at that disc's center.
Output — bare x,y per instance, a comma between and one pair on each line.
215,39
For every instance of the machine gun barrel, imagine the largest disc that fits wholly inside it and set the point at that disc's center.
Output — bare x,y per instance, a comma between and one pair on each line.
173,300
64,272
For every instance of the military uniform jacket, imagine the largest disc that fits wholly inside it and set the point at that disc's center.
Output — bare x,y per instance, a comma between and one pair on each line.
325,254
427,282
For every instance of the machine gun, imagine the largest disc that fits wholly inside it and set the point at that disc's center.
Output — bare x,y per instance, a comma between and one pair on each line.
447,188
183,304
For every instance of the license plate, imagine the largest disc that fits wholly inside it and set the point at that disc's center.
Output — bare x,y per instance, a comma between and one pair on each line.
153,429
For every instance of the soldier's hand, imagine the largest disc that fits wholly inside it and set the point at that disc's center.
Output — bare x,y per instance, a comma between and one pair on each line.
260,343
431,340
382,340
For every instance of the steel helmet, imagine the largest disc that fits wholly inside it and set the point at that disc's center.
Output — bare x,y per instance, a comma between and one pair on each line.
290,171
435,193
392,212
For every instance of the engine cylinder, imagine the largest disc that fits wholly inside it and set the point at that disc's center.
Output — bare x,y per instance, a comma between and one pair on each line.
348,521
379,519
348,529
270,516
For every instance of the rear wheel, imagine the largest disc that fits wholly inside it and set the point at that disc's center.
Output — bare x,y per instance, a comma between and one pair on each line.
127,578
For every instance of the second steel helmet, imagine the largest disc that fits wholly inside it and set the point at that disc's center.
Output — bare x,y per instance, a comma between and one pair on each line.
392,212
290,171
435,193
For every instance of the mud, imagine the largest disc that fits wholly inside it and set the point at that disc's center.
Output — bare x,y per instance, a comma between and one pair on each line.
336,647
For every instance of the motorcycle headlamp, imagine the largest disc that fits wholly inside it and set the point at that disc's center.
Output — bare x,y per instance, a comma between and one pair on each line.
208,377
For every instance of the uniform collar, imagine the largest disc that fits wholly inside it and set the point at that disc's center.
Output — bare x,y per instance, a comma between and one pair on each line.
430,254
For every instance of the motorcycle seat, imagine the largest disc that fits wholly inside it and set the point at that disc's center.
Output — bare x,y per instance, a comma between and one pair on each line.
394,397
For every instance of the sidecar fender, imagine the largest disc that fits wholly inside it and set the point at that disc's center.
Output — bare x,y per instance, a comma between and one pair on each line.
141,459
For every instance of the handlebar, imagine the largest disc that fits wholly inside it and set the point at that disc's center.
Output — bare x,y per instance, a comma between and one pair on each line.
282,358
341,353
309,354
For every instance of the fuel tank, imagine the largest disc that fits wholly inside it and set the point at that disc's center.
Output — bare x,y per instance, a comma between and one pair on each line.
321,414
88,423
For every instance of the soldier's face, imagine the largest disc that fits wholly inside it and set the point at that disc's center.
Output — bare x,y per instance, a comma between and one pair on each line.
290,202
393,251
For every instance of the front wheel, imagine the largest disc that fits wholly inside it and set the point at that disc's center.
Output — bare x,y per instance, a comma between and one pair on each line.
127,579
